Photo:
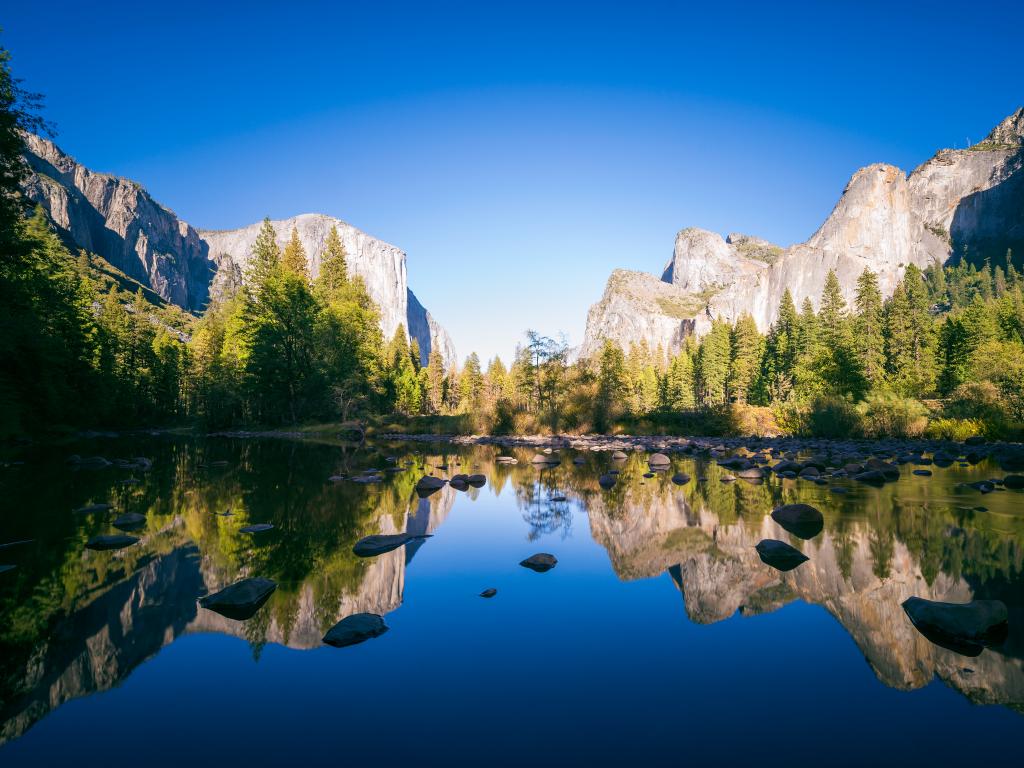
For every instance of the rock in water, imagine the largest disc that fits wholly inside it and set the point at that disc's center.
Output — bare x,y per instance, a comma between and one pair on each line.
113,541
540,562
619,456
427,485
543,460
801,520
89,509
1013,482
256,528
606,481
966,628
459,482
355,629
241,600
477,481
680,478
380,543
659,460
489,592
130,521
779,554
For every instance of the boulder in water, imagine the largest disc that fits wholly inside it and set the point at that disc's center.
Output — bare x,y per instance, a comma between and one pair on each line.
658,460
606,481
89,509
130,521
619,456
801,520
540,562
477,481
427,485
355,629
1013,482
256,528
380,543
241,600
489,592
680,478
966,628
111,541
871,477
459,482
779,554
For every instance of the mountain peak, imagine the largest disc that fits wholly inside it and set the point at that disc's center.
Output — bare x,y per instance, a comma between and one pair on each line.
1009,133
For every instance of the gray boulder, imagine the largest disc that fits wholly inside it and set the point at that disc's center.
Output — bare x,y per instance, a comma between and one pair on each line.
540,562
130,521
355,629
379,544
110,541
241,600
966,628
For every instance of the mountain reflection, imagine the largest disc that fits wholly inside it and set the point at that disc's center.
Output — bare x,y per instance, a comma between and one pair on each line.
73,622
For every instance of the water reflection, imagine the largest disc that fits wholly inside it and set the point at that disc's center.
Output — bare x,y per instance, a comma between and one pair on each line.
75,621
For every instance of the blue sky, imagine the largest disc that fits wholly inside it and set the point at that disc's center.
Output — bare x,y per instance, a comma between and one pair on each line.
517,152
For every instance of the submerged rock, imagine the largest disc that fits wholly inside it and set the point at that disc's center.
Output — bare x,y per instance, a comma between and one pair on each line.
130,521
779,554
89,509
966,628
428,484
801,520
659,460
256,528
680,478
540,562
241,600
489,592
110,541
381,543
606,481
355,629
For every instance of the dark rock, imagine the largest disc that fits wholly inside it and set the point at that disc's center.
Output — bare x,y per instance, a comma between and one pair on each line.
889,471
923,472
871,477
680,478
982,486
579,460
459,482
241,600
540,562
1014,482
477,481
801,520
111,541
558,497
779,554
355,629
966,628
89,509
256,528
427,485
974,440
786,466
648,474
489,592
130,521
378,544
606,481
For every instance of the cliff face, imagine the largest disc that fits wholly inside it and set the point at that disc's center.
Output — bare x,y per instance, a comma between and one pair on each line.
117,219
960,200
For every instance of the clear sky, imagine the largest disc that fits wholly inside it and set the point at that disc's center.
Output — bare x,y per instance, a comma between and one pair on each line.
517,152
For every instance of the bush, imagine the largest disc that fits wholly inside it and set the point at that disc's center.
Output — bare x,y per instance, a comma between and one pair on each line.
753,420
884,414
791,416
832,417
955,429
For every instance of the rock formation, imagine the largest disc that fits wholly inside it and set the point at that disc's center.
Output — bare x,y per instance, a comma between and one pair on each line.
960,201
117,219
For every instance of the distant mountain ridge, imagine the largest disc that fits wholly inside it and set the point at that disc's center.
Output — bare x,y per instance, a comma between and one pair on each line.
969,199
117,219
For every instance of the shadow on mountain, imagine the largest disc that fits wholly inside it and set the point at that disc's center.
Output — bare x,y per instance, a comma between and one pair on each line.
989,222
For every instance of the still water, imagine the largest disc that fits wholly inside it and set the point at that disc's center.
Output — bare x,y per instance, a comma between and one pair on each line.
659,638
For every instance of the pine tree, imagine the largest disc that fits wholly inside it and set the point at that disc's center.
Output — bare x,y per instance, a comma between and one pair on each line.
471,384
746,352
712,364
679,394
435,382
832,316
612,386
333,265
264,260
868,326
294,256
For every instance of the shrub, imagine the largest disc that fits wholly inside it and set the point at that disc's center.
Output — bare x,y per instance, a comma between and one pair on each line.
832,417
885,414
955,429
753,420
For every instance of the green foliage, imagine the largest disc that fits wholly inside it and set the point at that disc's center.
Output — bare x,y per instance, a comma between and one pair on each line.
885,414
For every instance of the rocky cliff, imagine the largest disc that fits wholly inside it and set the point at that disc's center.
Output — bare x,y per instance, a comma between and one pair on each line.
960,201
118,220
